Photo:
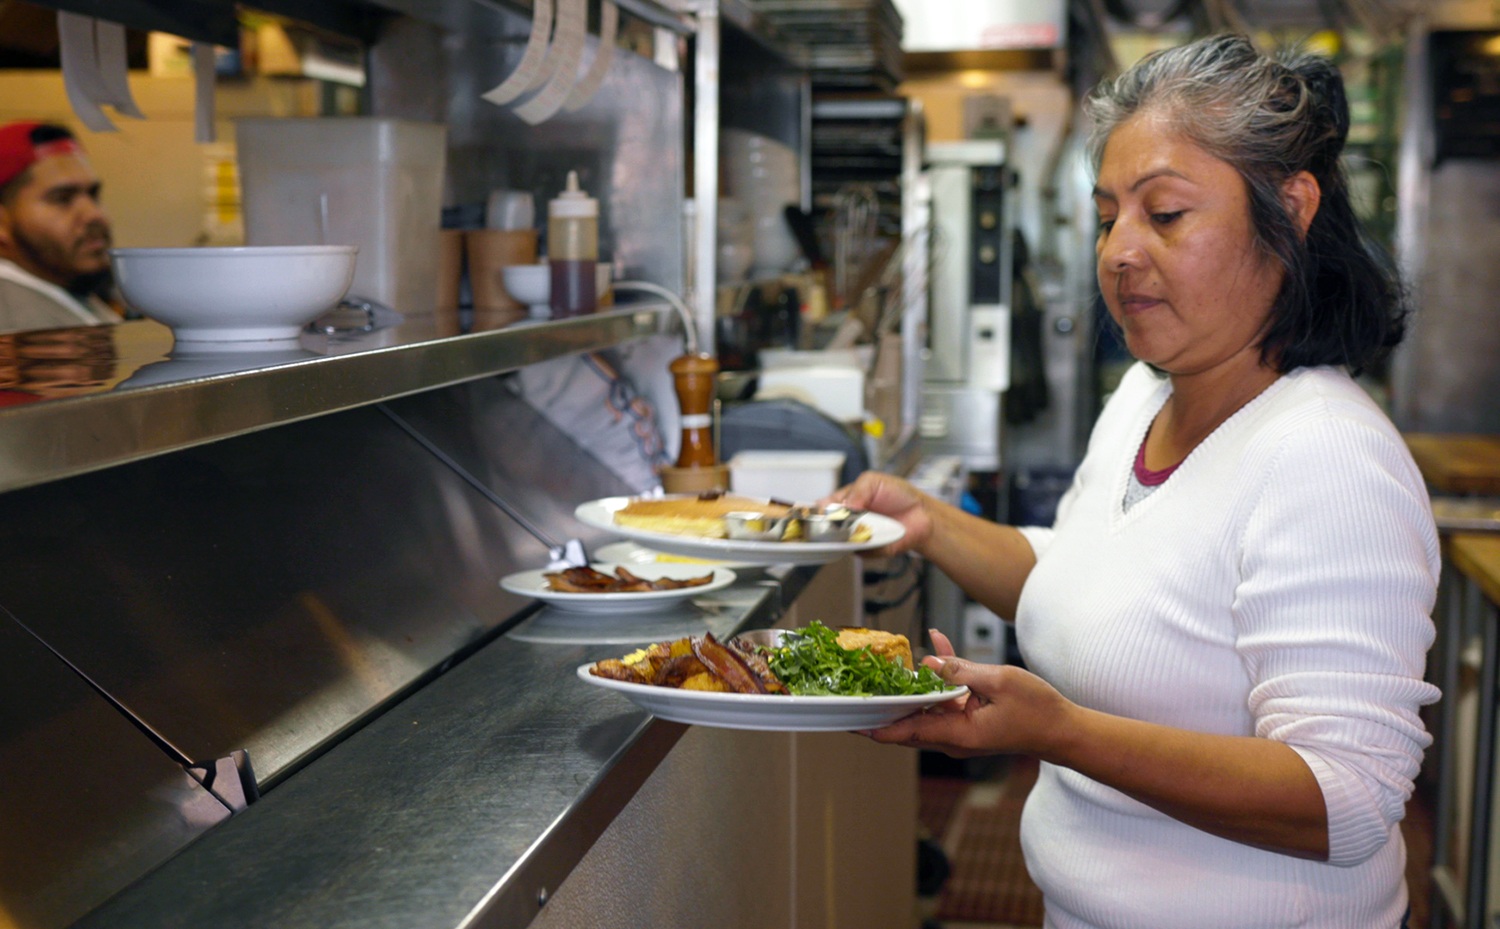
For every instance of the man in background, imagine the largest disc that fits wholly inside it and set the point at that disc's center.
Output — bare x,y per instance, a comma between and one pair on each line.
54,235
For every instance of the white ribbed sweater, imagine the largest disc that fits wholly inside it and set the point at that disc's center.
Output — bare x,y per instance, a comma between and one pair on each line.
1279,584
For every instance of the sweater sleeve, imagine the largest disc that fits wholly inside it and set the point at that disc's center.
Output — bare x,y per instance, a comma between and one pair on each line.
1339,567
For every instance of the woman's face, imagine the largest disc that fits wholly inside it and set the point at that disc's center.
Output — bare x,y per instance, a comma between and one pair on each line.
1178,266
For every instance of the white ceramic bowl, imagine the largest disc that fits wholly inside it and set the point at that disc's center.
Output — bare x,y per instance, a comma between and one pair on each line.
773,245
236,294
734,261
529,284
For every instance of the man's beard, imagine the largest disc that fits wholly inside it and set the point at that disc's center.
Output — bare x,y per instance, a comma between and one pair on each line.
95,284
56,262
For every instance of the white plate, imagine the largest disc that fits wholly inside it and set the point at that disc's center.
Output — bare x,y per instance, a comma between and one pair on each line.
632,554
534,584
769,712
601,514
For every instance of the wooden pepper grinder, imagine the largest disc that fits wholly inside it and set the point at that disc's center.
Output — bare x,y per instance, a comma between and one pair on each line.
697,467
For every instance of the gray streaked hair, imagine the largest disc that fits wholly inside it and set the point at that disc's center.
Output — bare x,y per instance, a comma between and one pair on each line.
1271,117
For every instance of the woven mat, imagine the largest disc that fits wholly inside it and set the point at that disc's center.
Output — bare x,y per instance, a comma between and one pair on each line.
979,827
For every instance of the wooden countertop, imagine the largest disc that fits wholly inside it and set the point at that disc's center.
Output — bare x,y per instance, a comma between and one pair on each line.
1458,464
1478,556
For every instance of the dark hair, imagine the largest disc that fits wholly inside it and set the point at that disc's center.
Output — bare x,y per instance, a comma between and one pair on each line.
1341,300
40,134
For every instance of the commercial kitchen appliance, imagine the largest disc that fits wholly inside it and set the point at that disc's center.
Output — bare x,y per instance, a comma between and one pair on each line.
968,364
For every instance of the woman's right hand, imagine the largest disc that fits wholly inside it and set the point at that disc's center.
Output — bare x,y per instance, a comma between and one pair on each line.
890,496
990,562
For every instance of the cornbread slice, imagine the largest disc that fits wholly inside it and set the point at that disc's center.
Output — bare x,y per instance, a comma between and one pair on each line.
886,644
695,516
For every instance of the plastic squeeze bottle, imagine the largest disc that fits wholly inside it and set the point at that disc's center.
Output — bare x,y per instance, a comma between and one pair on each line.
573,250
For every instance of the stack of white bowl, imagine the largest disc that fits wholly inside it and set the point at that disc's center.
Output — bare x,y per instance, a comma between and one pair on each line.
736,240
765,176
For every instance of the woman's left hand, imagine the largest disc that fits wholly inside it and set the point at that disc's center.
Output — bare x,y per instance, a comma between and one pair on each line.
1007,710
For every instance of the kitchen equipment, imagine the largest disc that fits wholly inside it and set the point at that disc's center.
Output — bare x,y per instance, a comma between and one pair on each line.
837,390
860,356
968,368
805,231
234,294
736,241
799,476
856,217
372,182
765,176
761,425
565,554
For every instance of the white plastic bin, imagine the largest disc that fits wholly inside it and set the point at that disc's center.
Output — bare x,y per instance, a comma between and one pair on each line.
793,476
372,182
836,391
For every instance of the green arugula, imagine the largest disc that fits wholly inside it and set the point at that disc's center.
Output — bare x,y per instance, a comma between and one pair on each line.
810,662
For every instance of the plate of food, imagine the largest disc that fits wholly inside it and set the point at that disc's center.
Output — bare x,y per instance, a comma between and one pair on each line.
751,530
627,552
615,588
814,679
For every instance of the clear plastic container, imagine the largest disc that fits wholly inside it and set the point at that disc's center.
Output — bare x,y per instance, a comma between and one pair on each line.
372,182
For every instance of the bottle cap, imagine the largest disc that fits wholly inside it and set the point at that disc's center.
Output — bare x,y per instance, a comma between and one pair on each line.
573,203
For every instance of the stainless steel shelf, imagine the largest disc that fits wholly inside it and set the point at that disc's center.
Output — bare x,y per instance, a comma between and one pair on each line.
418,820
146,408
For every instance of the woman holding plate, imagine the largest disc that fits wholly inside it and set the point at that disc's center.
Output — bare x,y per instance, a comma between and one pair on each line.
1226,626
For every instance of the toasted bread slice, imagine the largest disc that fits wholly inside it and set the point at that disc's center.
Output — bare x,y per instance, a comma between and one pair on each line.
887,644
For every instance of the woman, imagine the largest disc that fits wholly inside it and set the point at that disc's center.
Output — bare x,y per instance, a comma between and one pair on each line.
1226,626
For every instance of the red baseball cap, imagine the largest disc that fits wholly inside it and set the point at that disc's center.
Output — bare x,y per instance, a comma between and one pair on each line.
18,150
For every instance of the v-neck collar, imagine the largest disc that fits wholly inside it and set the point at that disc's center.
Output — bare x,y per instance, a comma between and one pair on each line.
1123,464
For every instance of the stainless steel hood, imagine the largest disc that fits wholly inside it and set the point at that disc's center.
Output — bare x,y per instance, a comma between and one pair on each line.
88,803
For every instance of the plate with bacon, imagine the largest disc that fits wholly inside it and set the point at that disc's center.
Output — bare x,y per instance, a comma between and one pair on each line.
616,588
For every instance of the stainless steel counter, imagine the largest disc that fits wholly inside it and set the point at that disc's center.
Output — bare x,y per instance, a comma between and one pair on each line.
110,395
464,805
